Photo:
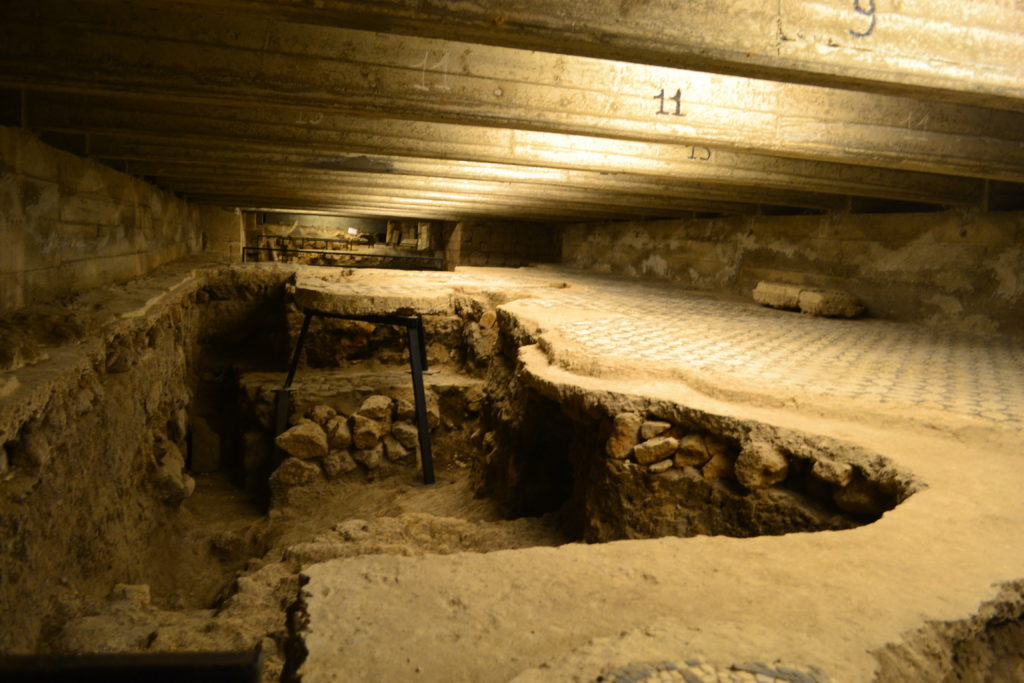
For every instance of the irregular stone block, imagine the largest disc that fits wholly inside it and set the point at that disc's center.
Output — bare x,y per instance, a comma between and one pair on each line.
393,449
720,466
625,433
660,466
170,482
692,451
322,414
829,303
339,436
861,497
404,410
652,428
370,457
488,319
365,431
406,434
838,473
305,440
338,462
761,465
376,407
655,449
293,472
777,295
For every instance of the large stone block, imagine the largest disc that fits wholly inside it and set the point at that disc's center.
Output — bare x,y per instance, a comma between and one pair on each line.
829,303
304,441
777,295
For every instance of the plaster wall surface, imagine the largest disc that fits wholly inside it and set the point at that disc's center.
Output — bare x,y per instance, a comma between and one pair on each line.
68,224
954,270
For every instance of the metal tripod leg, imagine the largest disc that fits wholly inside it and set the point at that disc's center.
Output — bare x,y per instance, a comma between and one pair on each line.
418,363
283,396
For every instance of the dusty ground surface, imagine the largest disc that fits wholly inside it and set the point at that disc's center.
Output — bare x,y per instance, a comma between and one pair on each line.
390,581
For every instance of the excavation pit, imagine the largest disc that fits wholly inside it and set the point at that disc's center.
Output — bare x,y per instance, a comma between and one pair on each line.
529,457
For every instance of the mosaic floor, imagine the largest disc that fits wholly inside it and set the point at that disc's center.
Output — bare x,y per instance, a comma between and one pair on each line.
878,364
888,364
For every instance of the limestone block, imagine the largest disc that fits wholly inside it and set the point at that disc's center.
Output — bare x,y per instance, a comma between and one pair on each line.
293,472
829,303
761,465
625,433
653,450
338,462
404,410
322,414
660,466
305,440
692,451
777,295
376,407
838,473
861,497
204,446
406,434
721,465
365,431
393,449
370,457
339,436
652,428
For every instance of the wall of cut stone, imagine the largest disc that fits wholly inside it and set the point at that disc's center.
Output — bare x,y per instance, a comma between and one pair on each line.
955,269
68,224
500,244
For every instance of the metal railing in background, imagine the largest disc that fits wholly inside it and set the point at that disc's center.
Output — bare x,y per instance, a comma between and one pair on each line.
341,259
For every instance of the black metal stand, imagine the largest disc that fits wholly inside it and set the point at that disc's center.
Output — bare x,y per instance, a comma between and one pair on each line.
417,362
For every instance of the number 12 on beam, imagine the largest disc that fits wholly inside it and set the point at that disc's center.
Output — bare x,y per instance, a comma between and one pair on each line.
677,98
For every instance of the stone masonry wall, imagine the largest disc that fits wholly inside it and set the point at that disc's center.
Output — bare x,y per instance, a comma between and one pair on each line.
954,269
68,224
501,244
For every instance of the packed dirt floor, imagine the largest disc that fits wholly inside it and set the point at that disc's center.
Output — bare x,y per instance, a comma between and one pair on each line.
635,483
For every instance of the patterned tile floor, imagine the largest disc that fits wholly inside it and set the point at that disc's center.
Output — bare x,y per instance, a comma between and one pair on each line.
883,363
882,366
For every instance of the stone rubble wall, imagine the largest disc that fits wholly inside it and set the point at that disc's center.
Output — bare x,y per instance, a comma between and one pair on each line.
94,441
631,467
956,269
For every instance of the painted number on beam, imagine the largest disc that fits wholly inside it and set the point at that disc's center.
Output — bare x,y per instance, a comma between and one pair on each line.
677,98
868,11
439,65
699,153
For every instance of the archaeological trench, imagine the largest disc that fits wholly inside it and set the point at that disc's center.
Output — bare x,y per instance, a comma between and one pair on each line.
535,341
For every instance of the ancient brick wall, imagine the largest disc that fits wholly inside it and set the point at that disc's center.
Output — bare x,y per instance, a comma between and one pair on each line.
69,224
956,269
